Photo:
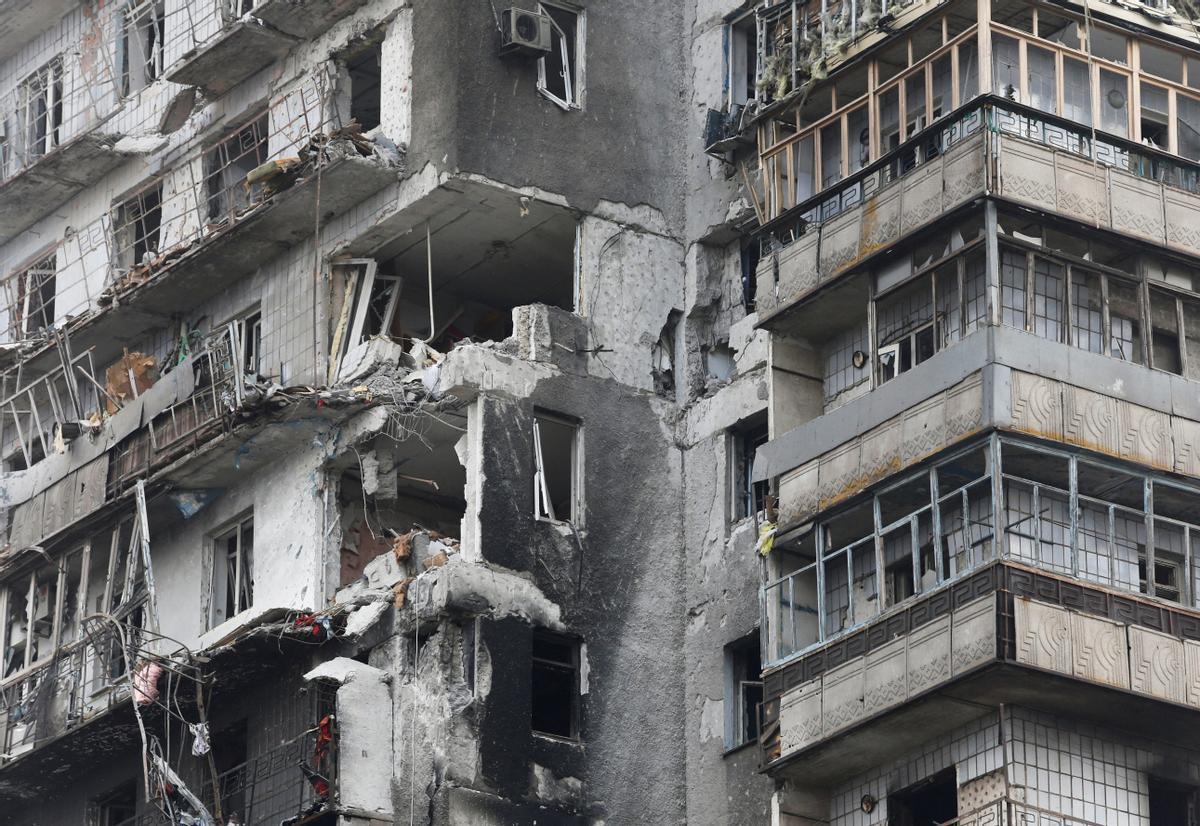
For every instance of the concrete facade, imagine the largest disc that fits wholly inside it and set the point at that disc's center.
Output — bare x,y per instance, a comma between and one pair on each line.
378,424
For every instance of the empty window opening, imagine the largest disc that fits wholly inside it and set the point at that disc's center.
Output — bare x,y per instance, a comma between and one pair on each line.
931,801
365,69
40,110
560,73
1155,116
749,257
554,686
29,296
1173,804
742,59
138,227
749,497
556,473
233,571
116,808
141,44
226,166
743,690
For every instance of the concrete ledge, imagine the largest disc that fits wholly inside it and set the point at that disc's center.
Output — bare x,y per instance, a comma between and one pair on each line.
304,18
235,54
34,192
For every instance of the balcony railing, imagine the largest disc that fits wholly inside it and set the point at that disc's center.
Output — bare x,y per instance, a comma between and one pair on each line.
997,116
173,216
1001,499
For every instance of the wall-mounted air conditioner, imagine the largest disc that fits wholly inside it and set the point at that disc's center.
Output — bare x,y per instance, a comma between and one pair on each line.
524,32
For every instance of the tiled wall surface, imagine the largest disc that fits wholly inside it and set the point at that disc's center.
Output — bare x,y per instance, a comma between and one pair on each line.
1081,771
974,750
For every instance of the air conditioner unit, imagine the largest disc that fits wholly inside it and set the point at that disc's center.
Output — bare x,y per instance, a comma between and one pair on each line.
524,32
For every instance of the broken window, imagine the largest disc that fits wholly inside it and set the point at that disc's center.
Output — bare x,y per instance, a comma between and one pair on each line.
556,471
369,303
40,98
1006,67
1174,333
904,328
749,497
554,686
845,361
1155,117
560,75
141,44
233,571
249,332
137,226
226,166
29,298
118,807
934,800
1114,95
743,690
365,69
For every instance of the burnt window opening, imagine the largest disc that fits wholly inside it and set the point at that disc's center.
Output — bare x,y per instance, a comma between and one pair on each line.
365,69
138,227
115,808
1173,804
233,571
554,686
226,166
556,468
231,752
560,75
40,111
931,801
749,497
743,690
749,259
141,44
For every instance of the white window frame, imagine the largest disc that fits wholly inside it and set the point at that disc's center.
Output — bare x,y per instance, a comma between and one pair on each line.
735,58
543,507
575,62
47,83
218,597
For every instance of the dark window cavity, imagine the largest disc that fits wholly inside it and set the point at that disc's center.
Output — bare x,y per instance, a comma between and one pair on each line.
555,686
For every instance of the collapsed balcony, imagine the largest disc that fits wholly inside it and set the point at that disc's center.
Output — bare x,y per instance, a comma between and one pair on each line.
220,43
483,250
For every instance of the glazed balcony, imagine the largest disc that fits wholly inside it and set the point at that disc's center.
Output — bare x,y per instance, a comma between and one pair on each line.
1007,634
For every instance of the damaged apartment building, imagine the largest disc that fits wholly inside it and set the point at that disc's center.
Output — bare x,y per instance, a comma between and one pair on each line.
380,385
978,266
599,412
